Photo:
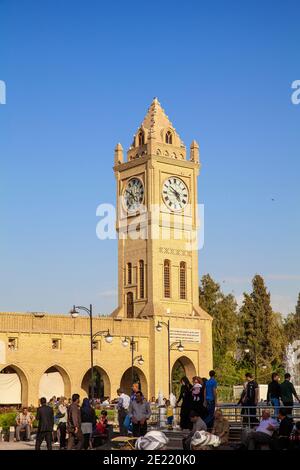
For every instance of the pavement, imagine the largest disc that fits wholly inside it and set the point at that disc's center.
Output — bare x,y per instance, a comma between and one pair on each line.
22,445
175,442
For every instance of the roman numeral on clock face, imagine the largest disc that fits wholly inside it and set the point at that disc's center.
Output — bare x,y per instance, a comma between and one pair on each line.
175,193
133,194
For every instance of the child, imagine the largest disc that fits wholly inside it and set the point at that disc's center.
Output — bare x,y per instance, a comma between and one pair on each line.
169,414
196,390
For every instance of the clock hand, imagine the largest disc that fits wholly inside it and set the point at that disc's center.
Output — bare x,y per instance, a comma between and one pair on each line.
175,192
132,195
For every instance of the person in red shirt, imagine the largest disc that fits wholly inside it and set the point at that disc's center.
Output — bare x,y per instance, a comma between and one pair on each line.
102,424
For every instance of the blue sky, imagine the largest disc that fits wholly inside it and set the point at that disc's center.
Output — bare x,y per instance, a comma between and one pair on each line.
80,76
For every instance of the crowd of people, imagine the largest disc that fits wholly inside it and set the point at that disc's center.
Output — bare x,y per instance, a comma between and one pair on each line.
75,425
65,422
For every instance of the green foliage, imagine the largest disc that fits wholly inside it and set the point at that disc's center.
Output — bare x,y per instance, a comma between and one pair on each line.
7,420
256,328
292,324
110,413
261,330
223,309
178,372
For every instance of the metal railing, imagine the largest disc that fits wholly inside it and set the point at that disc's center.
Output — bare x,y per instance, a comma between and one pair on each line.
239,416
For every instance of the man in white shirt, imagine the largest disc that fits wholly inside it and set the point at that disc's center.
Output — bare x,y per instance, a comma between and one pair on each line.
122,407
263,433
24,420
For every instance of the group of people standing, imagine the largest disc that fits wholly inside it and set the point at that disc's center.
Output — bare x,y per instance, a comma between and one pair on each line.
75,424
277,393
133,412
199,397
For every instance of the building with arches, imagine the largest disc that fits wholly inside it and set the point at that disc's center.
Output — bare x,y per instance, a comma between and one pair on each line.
156,189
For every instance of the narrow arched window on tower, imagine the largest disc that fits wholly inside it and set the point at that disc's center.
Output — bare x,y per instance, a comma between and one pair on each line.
130,307
182,280
167,279
142,279
129,273
168,137
141,138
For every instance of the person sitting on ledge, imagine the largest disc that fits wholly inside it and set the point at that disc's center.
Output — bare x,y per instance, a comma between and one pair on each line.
198,425
262,434
281,440
24,420
221,427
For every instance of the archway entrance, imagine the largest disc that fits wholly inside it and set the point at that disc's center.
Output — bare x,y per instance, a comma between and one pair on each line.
13,386
182,367
138,377
101,383
55,382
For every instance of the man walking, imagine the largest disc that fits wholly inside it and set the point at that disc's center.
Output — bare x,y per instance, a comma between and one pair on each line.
250,399
45,417
74,424
210,398
122,407
287,393
139,411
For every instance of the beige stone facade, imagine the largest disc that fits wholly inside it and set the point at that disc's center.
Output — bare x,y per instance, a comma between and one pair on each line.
157,276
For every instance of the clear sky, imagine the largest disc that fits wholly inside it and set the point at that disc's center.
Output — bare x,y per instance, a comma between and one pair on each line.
80,76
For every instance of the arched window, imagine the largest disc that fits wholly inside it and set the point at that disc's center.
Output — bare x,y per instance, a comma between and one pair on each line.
130,310
129,273
142,279
182,280
141,138
167,279
169,137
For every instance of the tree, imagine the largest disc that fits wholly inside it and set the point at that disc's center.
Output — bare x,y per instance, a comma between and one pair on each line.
292,324
223,309
261,330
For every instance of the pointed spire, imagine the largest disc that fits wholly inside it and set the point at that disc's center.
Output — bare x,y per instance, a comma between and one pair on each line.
156,123
118,154
194,152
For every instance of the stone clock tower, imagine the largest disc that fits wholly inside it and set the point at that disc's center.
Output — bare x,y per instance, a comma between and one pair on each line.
157,222
158,306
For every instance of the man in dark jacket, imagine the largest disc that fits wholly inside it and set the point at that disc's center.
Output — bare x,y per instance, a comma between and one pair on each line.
249,399
74,424
45,418
282,440
274,393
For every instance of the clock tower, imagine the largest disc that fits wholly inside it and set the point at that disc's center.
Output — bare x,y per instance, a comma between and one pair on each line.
157,222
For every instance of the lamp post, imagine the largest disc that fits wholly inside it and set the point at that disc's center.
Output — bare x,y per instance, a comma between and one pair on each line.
132,342
74,312
180,348
247,351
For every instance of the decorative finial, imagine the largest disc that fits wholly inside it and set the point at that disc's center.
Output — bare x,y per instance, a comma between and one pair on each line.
118,154
194,152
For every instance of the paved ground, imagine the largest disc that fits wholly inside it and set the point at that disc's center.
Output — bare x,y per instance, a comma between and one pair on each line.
175,442
22,445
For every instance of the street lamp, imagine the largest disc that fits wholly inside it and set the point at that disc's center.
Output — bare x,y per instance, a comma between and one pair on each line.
247,351
180,347
74,312
132,342
140,360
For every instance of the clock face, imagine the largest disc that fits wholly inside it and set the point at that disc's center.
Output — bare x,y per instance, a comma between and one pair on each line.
133,195
175,194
